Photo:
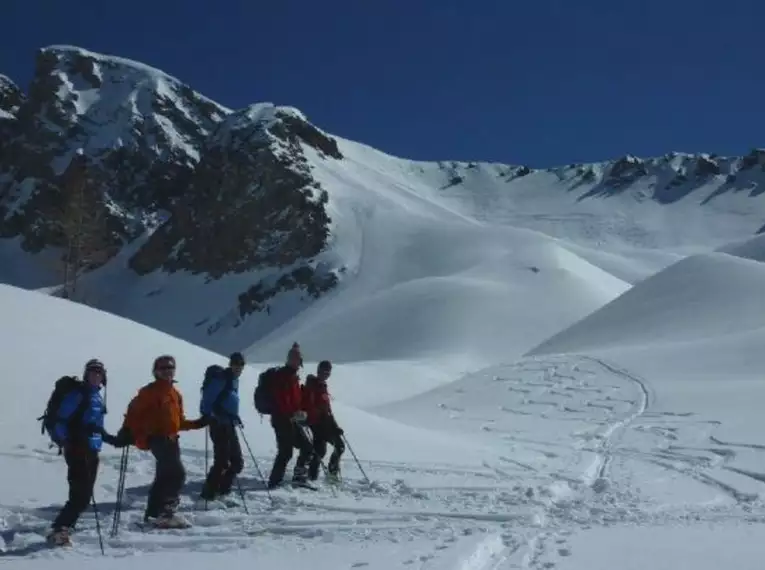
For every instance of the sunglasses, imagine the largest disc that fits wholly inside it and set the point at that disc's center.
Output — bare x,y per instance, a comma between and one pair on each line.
164,368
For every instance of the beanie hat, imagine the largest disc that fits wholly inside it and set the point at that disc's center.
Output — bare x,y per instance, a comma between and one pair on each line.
236,359
295,351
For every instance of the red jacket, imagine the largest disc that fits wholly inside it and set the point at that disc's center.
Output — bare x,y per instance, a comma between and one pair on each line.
316,401
287,395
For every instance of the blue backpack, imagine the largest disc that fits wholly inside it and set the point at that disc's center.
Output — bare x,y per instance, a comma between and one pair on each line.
213,372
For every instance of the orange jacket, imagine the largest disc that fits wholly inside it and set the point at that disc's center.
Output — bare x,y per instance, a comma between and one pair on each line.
157,410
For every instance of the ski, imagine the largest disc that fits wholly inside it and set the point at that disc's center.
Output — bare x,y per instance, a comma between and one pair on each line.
309,486
177,523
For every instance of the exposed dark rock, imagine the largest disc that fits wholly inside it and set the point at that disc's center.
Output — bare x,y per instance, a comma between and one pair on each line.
707,167
756,157
625,171
252,203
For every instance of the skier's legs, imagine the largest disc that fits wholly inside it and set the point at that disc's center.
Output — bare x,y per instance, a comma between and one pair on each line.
338,448
305,448
319,450
283,431
169,477
219,434
235,462
82,468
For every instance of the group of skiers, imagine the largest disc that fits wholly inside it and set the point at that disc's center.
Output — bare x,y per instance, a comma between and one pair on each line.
301,417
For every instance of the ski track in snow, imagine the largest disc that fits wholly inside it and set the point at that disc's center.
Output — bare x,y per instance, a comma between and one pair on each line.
520,506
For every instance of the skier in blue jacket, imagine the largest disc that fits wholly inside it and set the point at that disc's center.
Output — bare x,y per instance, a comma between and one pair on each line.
78,427
220,404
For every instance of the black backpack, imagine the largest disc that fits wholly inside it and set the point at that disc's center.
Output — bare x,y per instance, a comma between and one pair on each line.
264,392
63,386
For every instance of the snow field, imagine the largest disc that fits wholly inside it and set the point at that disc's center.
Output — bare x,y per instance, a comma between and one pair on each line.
519,400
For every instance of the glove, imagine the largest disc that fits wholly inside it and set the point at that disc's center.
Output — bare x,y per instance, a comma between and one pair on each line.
299,417
115,440
204,421
109,438
340,431
237,421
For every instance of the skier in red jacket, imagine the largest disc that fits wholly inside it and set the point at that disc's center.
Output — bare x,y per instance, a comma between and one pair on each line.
286,419
322,422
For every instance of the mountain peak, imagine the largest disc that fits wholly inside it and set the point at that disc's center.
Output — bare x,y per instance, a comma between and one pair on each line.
71,58
11,97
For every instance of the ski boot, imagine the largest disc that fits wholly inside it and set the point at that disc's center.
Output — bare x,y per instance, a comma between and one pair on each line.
59,537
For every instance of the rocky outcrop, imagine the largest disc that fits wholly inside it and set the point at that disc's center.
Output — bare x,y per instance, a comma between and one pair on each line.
11,97
625,171
182,183
756,158
251,203
706,166
138,128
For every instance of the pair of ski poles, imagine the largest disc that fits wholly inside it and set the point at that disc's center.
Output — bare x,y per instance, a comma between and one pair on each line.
123,472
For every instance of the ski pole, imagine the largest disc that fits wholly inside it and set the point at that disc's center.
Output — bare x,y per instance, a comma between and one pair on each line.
255,461
98,524
92,474
241,494
358,463
207,439
120,491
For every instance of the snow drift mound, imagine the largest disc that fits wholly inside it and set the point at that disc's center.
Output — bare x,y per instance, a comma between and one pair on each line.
447,288
699,297
753,248
44,338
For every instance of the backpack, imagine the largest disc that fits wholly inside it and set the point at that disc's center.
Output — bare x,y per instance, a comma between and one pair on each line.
212,372
63,386
264,392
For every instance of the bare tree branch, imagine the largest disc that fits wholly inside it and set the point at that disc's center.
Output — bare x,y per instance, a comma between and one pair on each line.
83,227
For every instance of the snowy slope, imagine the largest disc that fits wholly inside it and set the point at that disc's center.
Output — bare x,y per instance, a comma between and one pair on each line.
546,461
702,296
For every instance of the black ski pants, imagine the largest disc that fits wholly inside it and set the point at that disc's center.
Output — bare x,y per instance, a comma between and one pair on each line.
227,459
288,436
324,434
169,477
82,469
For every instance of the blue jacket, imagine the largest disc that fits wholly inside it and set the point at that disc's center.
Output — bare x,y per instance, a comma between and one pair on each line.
220,397
92,420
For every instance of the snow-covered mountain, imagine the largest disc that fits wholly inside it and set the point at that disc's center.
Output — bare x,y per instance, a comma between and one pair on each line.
536,368
221,226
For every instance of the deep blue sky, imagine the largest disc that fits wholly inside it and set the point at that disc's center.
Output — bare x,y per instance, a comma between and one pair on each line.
538,82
